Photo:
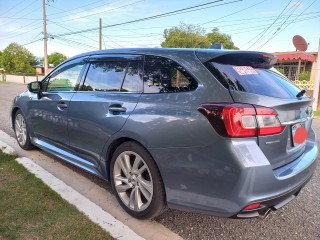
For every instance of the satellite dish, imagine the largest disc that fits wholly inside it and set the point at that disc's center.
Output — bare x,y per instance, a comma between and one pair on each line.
300,43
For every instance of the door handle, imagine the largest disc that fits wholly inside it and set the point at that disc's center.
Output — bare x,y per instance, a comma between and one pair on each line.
62,105
117,109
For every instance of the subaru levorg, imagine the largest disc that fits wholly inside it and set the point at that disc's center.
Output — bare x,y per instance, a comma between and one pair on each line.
212,131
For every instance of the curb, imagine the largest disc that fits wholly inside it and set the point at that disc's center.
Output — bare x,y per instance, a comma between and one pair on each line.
92,192
95,213
5,148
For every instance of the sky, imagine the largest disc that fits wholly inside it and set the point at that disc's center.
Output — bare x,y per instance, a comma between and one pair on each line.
265,25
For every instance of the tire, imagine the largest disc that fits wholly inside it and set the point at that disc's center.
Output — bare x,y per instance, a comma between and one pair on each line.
136,181
21,131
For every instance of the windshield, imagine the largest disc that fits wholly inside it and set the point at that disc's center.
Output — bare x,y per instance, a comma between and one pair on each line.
254,80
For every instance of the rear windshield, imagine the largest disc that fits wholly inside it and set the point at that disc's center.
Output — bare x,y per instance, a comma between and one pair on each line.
253,80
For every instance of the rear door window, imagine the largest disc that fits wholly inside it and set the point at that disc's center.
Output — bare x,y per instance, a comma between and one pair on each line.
133,79
110,76
162,75
253,80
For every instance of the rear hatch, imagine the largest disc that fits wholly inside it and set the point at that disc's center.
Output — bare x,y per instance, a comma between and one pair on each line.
251,79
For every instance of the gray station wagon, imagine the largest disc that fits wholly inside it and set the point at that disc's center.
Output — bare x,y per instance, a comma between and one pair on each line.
212,131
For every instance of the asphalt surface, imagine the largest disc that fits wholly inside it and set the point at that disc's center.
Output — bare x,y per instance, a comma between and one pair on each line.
298,220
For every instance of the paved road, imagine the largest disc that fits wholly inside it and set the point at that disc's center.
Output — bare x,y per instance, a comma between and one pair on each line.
7,93
298,220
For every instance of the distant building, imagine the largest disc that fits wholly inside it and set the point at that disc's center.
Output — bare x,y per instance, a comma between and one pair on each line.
292,64
300,68
40,69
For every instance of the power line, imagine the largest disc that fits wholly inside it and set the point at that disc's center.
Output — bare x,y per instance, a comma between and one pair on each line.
66,43
21,18
232,31
40,39
238,22
297,16
141,19
34,39
264,31
246,31
301,20
14,6
278,29
23,8
258,27
81,7
233,13
109,10
32,11
21,33
71,30
68,12
75,42
13,32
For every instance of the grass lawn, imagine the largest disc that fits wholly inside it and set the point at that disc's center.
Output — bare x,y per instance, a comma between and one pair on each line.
316,113
29,209
4,82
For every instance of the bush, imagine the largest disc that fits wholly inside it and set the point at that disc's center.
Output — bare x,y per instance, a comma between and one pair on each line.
281,70
304,76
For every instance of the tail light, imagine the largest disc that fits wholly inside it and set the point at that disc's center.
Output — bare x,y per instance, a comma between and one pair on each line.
241,120
268,121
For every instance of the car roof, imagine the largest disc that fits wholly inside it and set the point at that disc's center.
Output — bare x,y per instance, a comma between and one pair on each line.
155,51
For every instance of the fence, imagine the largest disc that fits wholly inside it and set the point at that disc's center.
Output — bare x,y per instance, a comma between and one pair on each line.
19,79
304,84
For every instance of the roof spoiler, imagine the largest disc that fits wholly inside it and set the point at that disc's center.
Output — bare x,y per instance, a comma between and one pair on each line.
238,58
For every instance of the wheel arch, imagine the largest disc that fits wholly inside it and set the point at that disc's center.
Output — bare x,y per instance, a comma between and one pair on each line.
112,148
114,145
158,203
13,114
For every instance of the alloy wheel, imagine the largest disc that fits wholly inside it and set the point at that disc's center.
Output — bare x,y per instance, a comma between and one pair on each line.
133,181
20,129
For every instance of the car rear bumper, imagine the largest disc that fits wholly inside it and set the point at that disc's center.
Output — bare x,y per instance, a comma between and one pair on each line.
223,182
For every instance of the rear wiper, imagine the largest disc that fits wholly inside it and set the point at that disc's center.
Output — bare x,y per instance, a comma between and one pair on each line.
301,93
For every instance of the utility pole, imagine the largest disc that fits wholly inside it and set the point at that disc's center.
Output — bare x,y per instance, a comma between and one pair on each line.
316,81
100,34
45,39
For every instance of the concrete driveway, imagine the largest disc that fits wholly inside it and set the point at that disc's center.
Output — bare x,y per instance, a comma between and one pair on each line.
298,220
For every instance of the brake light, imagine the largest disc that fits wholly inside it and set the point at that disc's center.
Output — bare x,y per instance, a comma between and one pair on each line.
241,120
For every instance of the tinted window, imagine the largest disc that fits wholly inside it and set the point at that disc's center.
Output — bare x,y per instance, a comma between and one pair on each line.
105,76
114,76
132,81
162,75
253,80
64,79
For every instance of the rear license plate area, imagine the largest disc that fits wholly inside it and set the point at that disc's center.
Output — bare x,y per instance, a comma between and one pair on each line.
293,132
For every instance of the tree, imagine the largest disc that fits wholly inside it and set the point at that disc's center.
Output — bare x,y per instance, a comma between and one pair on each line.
216,37
193,36
56,58
1,59
185,36
17,59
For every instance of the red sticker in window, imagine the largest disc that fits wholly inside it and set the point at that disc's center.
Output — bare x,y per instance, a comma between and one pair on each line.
245,70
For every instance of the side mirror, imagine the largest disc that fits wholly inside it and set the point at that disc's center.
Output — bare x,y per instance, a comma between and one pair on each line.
34,87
